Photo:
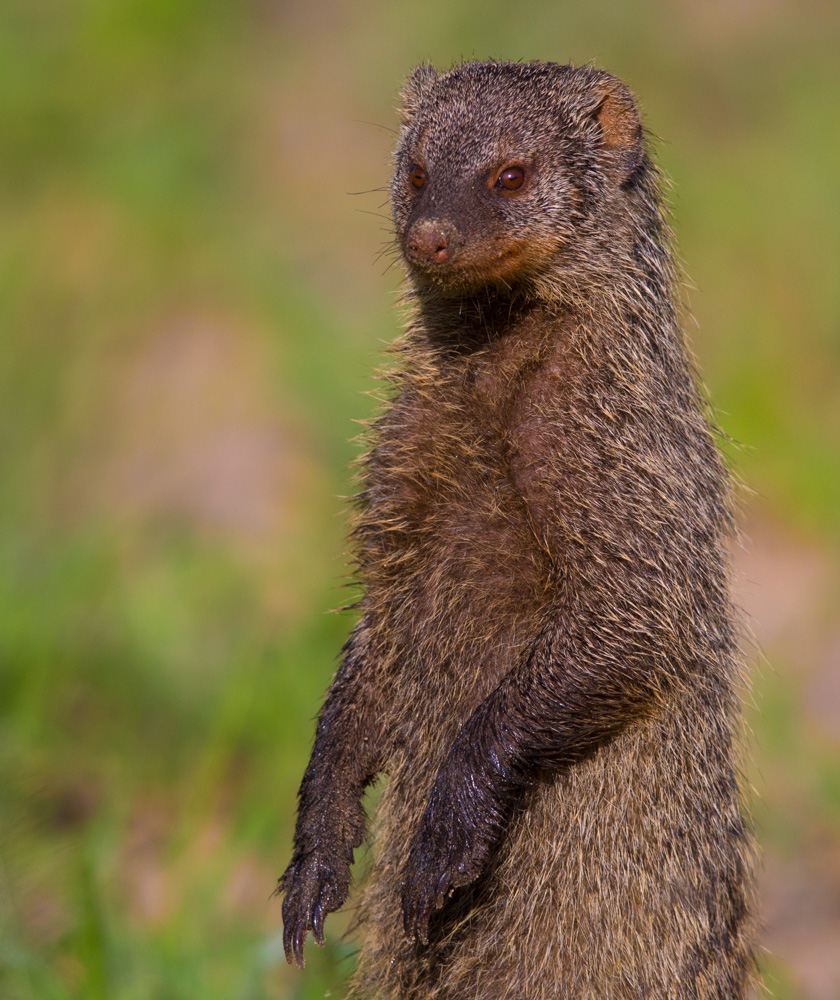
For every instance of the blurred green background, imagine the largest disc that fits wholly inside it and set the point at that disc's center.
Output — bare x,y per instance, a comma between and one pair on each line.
191,311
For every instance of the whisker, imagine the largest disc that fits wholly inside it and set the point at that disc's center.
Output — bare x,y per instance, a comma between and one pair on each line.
385,128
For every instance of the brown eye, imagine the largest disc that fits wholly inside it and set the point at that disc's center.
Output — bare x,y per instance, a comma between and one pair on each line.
511,179
417,176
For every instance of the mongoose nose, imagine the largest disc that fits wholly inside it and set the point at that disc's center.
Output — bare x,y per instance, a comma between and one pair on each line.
430,242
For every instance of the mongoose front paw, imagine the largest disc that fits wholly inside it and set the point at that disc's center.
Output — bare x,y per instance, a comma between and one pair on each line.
439,862
313,886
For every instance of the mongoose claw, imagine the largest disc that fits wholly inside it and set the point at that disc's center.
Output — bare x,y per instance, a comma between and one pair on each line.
312,888
416,918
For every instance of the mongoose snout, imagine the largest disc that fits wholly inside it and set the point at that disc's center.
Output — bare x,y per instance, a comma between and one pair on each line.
431,241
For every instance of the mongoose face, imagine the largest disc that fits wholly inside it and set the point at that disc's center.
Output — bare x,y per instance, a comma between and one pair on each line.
488,190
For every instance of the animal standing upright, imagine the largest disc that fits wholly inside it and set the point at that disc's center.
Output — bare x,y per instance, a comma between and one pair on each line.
545,664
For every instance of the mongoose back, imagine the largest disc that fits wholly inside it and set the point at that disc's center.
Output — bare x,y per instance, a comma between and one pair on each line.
545,664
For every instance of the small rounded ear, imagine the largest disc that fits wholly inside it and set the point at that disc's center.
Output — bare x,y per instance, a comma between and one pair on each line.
620,123
416,88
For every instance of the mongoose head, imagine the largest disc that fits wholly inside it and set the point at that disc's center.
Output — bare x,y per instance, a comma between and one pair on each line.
513,175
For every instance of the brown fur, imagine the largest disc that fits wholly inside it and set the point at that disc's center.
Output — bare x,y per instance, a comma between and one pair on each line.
545,664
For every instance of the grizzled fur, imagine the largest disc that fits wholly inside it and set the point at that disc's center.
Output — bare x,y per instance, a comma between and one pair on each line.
545,664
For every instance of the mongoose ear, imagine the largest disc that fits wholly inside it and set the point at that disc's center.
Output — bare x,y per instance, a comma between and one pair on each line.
416,88
621,125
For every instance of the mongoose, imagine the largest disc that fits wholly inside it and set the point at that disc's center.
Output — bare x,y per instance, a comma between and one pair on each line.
545,664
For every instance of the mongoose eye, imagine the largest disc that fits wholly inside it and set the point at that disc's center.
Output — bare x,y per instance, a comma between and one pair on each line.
511,179
417,176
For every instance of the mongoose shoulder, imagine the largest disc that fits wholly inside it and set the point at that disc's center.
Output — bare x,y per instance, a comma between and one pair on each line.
545,664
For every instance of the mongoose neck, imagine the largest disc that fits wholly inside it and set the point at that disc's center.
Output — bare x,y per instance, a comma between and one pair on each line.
465,324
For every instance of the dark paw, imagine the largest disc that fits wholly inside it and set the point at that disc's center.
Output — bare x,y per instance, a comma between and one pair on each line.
437,865
312,886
